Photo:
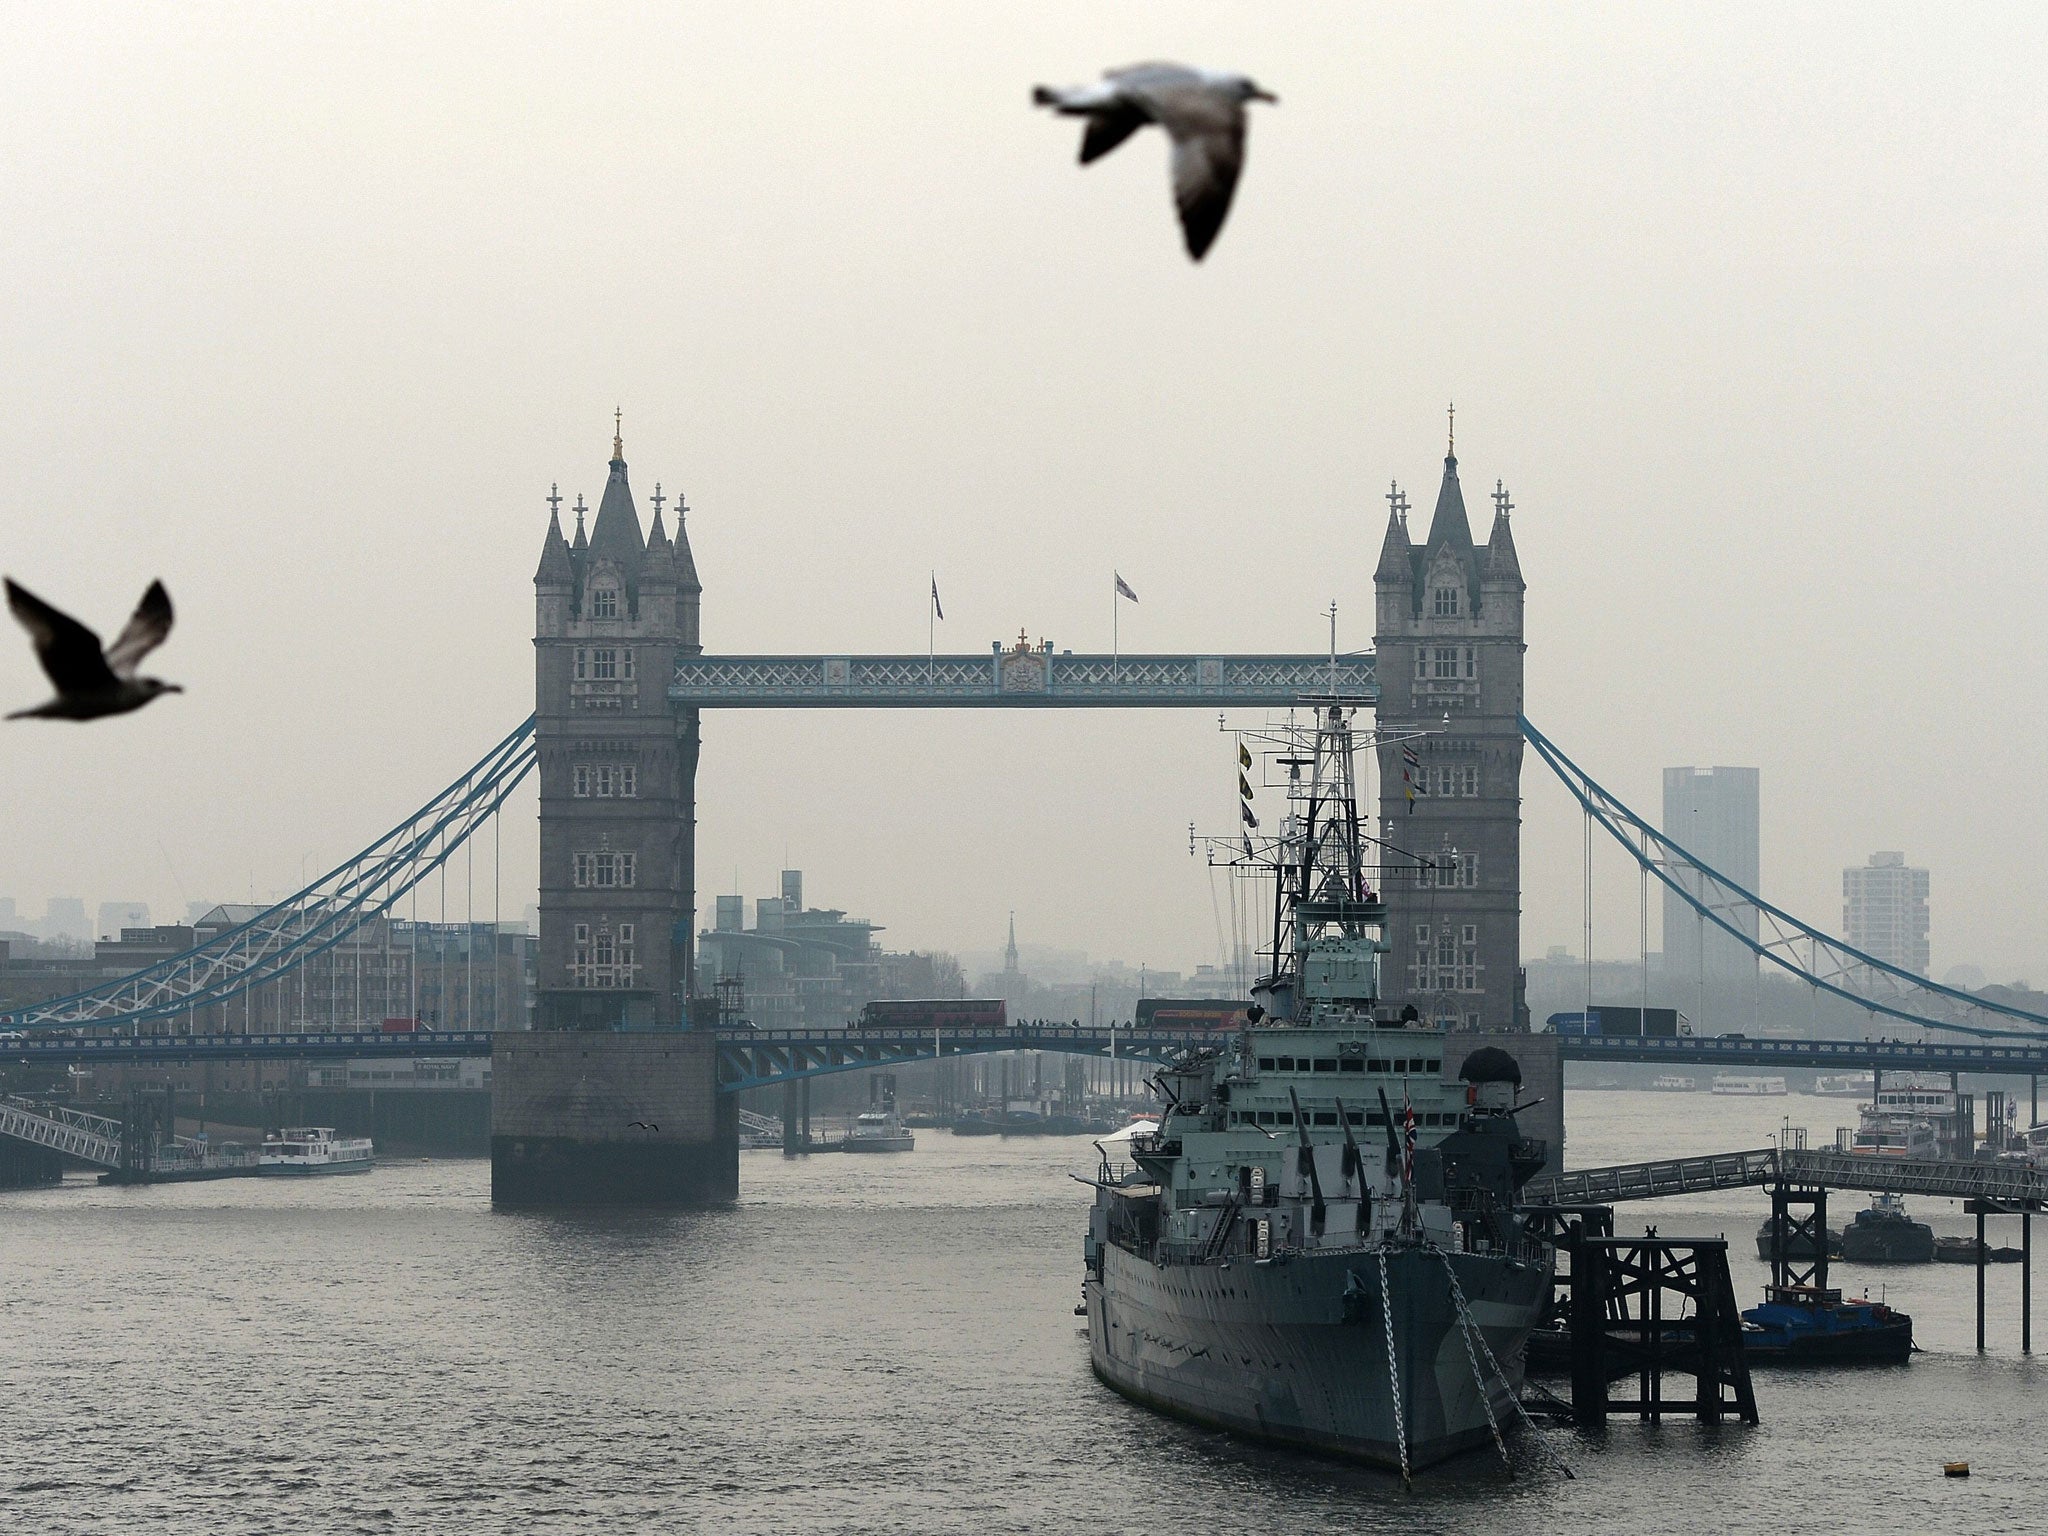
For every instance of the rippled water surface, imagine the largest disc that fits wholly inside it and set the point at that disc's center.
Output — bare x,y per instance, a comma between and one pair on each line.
861,1345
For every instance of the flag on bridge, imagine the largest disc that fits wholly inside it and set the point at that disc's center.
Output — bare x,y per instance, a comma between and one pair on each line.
1123,588
935,597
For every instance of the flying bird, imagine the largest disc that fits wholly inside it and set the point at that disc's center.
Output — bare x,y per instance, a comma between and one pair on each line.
1202,112
642,1125
92,682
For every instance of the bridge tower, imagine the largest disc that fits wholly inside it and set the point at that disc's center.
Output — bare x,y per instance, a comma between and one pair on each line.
611,1101
1448,635
618,767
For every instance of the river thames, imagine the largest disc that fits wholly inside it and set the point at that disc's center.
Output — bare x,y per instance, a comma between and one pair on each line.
880,1344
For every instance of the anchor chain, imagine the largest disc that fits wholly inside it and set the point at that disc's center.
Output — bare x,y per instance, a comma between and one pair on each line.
1393,1368
1472,1334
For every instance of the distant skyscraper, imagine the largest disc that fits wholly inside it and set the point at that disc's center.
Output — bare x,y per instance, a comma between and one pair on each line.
1712,814
1884,911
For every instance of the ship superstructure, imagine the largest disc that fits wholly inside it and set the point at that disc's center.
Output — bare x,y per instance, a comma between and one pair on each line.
1318,1245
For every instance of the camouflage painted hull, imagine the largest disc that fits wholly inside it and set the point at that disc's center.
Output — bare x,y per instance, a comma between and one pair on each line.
1295,1350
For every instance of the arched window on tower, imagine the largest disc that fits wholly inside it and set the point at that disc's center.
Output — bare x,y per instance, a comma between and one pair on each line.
1447,604
604,603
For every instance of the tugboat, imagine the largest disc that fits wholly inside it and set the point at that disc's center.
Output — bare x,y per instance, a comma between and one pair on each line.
1801,1323
1885,1234
1318,1245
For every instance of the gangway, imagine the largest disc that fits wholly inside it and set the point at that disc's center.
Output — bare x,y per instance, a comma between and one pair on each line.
1650,1181
2010,1186
90,1138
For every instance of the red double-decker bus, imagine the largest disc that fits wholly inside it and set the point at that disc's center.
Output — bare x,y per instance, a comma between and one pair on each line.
930,1013
1189,1013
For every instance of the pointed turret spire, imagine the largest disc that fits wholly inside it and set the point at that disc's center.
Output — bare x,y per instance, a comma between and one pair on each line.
616,533
1395,563
581,539
618,443
657,536
1502,564
554,549
686,563
1448,525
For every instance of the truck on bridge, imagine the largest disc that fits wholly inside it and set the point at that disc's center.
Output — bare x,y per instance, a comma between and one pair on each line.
1608,1020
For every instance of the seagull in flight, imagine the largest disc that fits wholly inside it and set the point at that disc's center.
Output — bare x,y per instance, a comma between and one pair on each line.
1201,110
92,682
642,1125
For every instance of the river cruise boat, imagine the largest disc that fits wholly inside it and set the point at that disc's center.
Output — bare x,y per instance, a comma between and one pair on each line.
1882,1135
1674,1082
314,1149
1844,1085
1748,1085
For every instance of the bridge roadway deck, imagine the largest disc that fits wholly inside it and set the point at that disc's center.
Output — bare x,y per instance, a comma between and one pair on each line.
747,1058
2010,1185
2019,1057
816,1051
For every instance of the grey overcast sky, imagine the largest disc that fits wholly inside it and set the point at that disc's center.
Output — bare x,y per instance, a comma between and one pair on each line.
305,307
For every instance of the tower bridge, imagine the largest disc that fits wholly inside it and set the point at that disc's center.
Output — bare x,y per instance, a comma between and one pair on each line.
621,682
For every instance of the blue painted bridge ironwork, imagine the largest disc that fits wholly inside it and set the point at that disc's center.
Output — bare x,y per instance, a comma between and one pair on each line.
2013,1056
755,1058
751,1058
1017,679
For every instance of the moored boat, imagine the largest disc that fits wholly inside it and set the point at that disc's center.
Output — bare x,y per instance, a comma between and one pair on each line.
1749,1085
1801,1323
1884,1234
1292,1257
314,1149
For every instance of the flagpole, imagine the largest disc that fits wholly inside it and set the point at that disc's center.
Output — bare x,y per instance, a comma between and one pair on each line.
1115,650
931,632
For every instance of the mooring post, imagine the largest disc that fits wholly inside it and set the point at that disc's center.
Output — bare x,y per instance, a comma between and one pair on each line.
2026,1282
1981,1254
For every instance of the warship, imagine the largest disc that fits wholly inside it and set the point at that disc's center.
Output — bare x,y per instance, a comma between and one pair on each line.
1318,1245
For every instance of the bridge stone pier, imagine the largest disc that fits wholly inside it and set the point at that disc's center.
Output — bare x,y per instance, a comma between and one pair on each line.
587,1118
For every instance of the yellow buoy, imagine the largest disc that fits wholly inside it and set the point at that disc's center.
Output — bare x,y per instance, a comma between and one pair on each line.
1955,1469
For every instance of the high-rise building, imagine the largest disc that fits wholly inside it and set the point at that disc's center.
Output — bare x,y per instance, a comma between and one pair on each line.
1884,911
1712,813
1448,636
618,767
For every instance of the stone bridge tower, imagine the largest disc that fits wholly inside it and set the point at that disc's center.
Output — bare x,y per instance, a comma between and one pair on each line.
618,768
1449,644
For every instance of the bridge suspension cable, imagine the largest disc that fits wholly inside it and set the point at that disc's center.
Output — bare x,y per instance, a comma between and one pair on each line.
1829,964
310,921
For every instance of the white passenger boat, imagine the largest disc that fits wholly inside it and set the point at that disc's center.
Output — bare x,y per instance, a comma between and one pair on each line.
315,1149
878,1130
1749,1085
1674,1082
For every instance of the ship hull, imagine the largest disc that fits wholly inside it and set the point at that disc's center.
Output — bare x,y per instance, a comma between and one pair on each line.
1294,1351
